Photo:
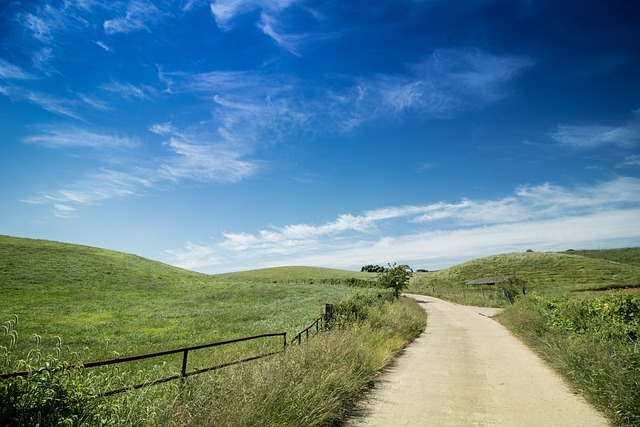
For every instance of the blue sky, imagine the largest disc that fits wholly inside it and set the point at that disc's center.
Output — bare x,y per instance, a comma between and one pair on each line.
237,134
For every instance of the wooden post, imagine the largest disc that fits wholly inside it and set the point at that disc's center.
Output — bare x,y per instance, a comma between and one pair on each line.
328,316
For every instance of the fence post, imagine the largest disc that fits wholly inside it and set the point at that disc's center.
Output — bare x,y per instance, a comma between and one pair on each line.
183,372
328,316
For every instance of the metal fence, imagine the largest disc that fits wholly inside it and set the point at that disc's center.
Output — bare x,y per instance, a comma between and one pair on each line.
183,372
319,324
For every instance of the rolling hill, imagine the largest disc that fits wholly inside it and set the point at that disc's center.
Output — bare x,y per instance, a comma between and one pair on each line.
546,271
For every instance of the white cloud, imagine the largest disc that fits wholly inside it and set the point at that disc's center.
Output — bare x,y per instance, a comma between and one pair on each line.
39,27
130,91
205,162
103,45
543,217
53,104
225,11
139,16
188,157
95,189
632,160
595,136
13,72
76,137
448,81
256,106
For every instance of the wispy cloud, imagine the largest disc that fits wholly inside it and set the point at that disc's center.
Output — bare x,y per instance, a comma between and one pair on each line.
10,71
450,80
206,162
51,103
544,217
103,45
595,136
188,156
129,91
76,137
39,28
225,11
140,15
253,106
444,84
269,26
248,107
93,190
632,160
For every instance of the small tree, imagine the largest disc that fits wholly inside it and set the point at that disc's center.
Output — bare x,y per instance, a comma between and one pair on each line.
395,277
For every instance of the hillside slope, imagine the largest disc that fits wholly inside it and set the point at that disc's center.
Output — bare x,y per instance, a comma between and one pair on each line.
25,262
295,274
90,296
540,270
629,256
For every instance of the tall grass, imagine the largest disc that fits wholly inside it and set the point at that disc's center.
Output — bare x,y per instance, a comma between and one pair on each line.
314,384
593,342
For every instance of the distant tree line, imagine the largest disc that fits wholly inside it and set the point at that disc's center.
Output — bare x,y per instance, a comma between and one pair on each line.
373,269
380,269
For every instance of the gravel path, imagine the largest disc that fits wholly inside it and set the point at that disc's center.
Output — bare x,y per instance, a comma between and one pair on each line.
466,369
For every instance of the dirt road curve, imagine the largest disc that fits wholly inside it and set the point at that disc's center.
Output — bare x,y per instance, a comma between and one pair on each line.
466,369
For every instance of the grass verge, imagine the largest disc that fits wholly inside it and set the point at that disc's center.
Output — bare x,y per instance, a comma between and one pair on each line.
593,342
312,385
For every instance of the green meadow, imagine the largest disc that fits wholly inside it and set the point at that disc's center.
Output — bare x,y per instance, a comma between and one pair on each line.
67,304
61,303
110,302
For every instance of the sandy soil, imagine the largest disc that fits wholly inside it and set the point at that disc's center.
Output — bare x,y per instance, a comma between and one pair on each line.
466,369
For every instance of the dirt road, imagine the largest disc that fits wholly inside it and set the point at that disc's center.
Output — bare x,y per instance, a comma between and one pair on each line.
467,369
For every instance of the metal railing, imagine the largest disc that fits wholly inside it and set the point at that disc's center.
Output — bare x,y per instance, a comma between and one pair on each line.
321,323
183,372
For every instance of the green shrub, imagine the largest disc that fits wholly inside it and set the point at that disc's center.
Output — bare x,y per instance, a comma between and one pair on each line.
356,306
50,396
593,342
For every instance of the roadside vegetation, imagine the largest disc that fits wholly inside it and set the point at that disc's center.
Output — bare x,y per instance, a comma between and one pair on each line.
581,313
67,304
594,342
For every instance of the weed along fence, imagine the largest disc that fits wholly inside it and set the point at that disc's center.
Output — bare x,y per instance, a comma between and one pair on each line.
316,326
321,323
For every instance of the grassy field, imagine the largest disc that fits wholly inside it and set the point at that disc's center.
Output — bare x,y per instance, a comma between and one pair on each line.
76,304
90,297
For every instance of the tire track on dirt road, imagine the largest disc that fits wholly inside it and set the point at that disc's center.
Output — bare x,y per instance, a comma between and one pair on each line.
467,369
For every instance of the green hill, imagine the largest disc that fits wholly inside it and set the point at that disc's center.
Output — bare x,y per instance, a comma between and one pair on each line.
624,255
295,274
25,262
90,297
547,272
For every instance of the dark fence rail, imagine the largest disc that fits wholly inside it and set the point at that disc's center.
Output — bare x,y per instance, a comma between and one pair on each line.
183,372
321,323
